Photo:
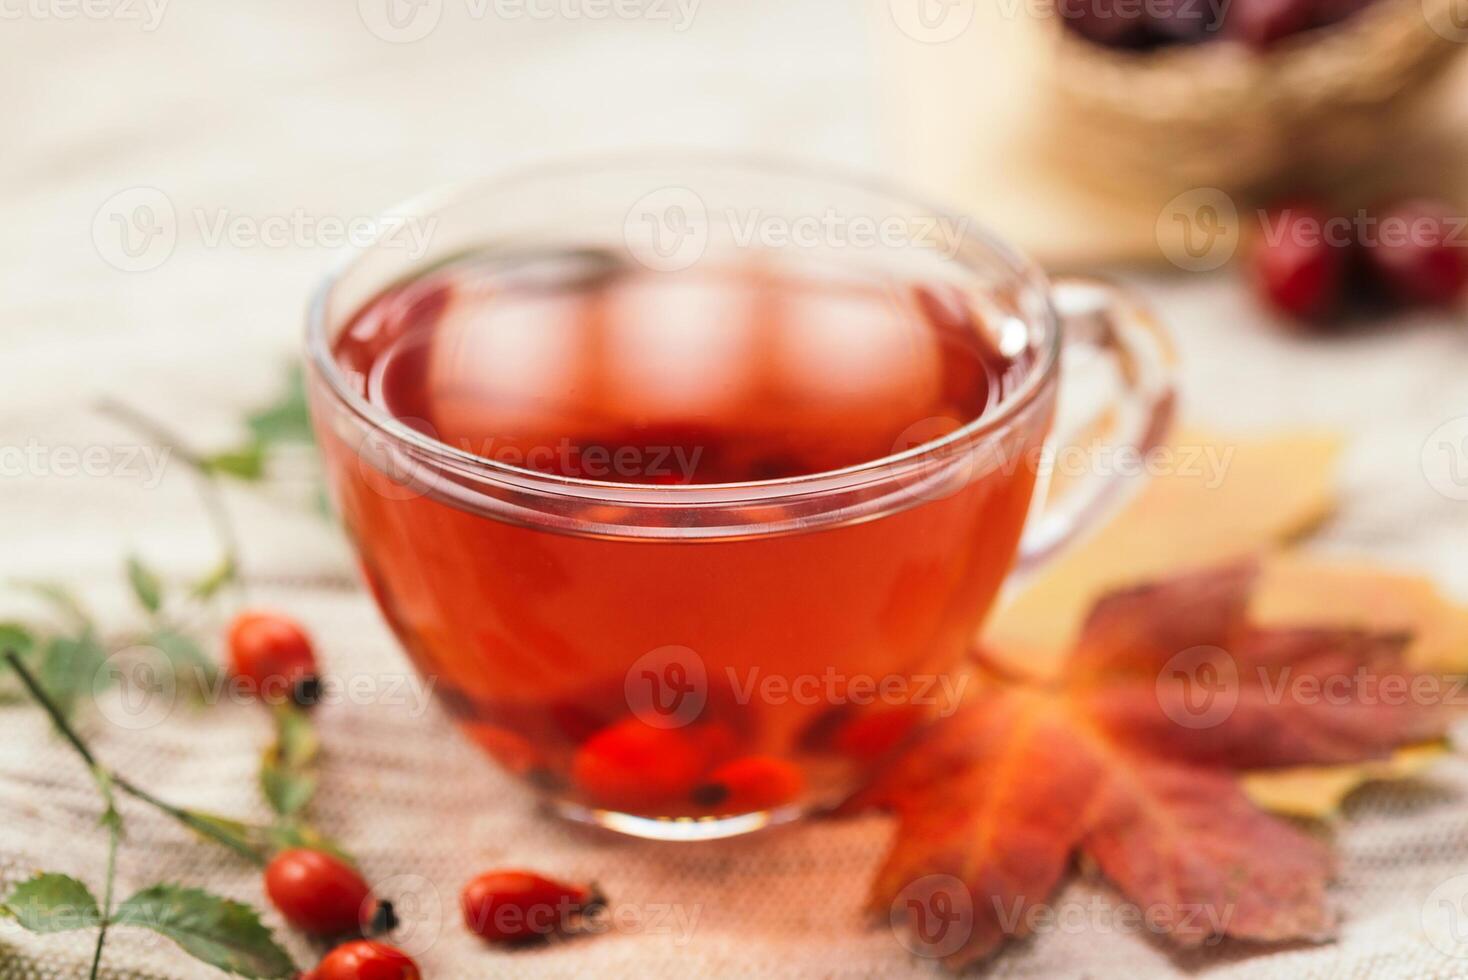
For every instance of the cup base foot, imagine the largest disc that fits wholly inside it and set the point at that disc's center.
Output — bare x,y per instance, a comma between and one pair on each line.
677,828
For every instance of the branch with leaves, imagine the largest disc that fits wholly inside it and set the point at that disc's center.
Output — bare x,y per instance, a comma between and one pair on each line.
64,662
218,931
69,656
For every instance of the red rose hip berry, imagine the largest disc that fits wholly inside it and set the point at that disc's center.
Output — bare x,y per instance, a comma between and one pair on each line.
519,906
1108,22
365,959
1296,268
271,656
1260,23
632,766
322,894
1420,255
755,782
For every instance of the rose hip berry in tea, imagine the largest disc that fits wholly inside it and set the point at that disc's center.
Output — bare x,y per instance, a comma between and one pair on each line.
665,576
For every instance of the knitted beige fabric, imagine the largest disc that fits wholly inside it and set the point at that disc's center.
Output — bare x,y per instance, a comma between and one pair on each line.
423,811
250,112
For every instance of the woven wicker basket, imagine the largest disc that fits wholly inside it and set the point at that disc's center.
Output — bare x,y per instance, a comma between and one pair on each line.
1316,107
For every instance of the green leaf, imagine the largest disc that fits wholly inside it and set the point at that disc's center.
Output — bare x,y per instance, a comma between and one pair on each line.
261,840
264,841
324,507
184,654
296,833
287,419
63,599
288,769
66,665
288,793
146,586
218,931
110,819
215,579
14,636
52,903
71,666
242,837
246,462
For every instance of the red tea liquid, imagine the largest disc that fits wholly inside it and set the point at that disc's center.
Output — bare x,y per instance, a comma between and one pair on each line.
650,659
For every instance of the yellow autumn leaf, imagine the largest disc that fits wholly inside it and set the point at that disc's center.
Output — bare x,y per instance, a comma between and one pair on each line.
1224,498
1300,590
1319,791
1305,591
1242,497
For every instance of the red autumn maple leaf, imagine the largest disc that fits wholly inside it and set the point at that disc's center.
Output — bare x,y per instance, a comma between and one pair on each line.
1129,757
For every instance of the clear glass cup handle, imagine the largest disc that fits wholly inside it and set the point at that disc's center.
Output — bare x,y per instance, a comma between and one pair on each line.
1116,325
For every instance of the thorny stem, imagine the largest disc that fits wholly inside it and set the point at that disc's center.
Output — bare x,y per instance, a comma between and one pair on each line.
204,480
186,817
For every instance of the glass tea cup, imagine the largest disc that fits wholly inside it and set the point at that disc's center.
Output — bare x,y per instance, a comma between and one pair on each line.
690,483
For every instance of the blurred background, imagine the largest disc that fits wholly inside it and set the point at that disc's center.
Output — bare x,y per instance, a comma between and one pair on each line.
181,178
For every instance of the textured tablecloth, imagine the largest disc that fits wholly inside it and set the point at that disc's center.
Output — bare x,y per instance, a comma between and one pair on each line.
273,108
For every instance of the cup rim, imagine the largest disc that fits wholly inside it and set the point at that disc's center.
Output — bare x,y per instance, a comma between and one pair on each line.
1024,270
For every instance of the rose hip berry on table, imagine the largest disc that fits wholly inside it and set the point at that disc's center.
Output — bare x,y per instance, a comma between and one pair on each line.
321,894
365,959
1299,268
1316,266
271,658
522,906
1256,23
1421,255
